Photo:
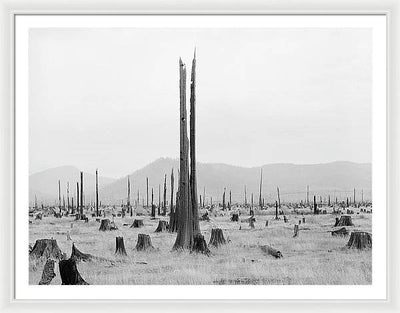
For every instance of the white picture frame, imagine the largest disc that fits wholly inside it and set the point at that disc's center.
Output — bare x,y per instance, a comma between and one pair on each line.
10,10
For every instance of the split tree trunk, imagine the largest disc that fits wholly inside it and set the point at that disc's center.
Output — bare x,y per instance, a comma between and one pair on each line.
48,273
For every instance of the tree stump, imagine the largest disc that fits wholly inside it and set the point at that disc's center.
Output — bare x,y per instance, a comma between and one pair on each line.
106,225
200,245
360,240
296,230
304,220
39,216
48,273
69,273
144,243
80,256
46,248
162,227
299,222
119,246
271,251
266,223
235,217
137,224
345,220
285,219
205,217
340,232
251,222
217,237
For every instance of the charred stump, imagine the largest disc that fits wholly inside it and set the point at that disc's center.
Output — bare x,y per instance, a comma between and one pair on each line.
80,256
137,224
360,240
271,251
217,237
48,273
200,245
162,227
69,273
120,246
266,223
340,232
107,225
235,217
344,220
144,243
46,248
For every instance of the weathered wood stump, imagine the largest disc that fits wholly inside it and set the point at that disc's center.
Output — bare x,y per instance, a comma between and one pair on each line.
271,251
48,273
162,227
304,220
137,224
69,273
144,243
251,222
200,245
340,232
217,237
266,223
235,217
46,248
296,230
205,217
344,220
39,216
360,240
120,246
80,256
106,225
299,222
285,219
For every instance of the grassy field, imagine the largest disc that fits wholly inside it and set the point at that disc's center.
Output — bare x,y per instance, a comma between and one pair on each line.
315,257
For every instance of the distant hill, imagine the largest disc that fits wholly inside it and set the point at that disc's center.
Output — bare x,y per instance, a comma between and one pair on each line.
45,184
336,179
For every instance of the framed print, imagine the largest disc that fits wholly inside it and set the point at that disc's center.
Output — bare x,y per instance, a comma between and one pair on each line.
201,157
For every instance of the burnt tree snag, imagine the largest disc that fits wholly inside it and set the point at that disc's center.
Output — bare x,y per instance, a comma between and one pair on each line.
120,246
81,202
276,210
296,230
97,193
260,197
153,207
164,211
360,240
69,273
144,243
315,206
217,237
223,201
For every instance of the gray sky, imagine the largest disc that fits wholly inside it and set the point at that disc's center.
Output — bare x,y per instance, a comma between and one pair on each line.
109,98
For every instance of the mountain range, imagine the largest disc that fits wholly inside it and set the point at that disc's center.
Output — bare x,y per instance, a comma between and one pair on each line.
336,179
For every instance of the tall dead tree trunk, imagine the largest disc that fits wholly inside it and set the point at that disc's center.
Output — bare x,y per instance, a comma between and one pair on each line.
308,193
245,196
279,197
81,202
59,195
68,207
128,200
147,192
172,210
97,193
77,198
315,206
204,197
153,208
223,200
159,200
260,197
193,173
165,196
230,199
276,210
184,238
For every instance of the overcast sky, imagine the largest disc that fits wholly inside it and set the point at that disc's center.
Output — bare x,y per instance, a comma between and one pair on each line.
109,98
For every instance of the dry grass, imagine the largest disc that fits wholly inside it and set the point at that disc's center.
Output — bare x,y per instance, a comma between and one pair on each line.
313,258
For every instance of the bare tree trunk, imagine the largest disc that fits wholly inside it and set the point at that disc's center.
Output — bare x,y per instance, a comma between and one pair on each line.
193,179
260,198
128,200
97,193
59,195
245,196
223,200
184,238
153,208
77,198
279,198
165,196
81,202
68,207
147,192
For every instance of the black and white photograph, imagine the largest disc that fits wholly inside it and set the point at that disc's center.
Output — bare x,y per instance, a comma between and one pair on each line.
200,155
